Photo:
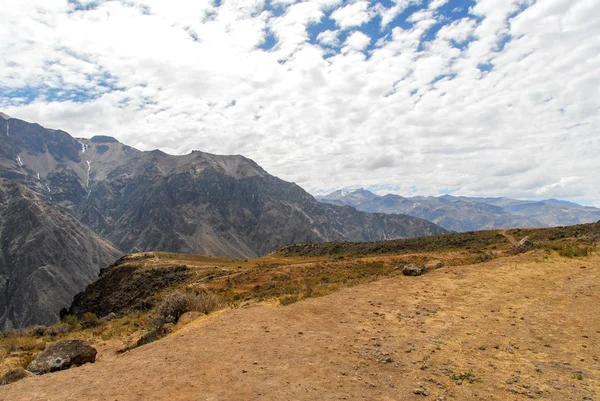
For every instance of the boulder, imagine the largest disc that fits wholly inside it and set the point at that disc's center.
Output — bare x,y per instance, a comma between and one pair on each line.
14,375
413,270
63,355
522,246
189,317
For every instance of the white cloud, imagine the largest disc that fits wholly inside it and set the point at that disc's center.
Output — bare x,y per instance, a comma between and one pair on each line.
435,4
419,116
357,41
329,38
354,14
458,31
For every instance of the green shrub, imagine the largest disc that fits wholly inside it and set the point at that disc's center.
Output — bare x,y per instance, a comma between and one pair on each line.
573,252
72,321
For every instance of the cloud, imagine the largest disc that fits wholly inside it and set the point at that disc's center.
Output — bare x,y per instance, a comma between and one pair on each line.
498,100
437,4
329,38
357,41
354,14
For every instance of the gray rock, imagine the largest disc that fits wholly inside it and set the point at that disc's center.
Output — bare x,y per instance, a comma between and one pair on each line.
413,270
63,355
522,246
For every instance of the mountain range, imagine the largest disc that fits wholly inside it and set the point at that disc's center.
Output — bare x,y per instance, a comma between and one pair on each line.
469,213
71,205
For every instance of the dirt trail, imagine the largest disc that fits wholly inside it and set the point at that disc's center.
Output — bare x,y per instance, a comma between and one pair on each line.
524,327
509,237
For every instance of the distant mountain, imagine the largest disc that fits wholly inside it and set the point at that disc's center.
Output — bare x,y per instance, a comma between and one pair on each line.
196,203
47,256
470,214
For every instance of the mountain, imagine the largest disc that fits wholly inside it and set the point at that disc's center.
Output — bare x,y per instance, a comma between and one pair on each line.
469,214
46,257
195,203
549,212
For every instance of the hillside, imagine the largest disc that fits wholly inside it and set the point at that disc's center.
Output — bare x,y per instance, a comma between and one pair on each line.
468,330
47,256
469,214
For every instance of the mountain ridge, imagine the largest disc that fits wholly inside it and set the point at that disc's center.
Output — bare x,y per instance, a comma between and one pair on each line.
461,213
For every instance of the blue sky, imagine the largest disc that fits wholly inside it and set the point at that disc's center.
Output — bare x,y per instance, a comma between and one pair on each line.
477,98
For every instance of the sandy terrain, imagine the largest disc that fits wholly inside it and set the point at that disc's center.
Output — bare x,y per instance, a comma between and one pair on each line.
519,328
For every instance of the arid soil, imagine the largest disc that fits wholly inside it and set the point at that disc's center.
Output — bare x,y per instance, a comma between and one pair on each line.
517,328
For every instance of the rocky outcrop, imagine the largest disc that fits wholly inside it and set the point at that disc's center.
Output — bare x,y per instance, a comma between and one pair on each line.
63,355
126,286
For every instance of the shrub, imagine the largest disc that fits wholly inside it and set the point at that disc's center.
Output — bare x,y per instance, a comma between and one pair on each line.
288,299
177,303
26,359
72,321
58,329
90,320
573,252
22,344
36,331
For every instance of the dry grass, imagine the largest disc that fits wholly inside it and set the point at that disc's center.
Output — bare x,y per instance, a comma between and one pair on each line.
287,276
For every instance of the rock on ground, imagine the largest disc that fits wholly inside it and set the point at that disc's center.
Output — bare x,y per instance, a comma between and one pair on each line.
522,246
413,270
62,355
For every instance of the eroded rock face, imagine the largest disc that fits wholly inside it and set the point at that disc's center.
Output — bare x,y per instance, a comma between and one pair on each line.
63,355
46,257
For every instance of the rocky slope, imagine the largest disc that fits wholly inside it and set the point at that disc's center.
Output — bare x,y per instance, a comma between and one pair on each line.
46,257
468,214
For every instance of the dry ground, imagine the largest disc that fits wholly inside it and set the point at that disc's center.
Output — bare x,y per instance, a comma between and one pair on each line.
516,328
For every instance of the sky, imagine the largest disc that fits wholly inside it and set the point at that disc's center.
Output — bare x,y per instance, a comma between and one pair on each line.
430,97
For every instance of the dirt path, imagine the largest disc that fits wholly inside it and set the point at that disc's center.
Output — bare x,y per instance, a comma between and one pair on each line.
519,328
509,237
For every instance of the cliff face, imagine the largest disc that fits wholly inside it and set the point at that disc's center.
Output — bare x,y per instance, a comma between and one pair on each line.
46,257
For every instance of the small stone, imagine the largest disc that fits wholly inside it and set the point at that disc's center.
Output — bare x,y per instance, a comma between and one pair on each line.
421,391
